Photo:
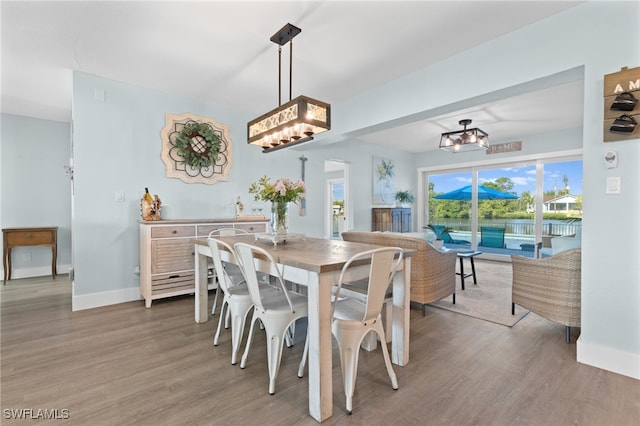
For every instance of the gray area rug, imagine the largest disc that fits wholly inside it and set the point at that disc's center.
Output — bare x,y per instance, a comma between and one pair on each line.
490,299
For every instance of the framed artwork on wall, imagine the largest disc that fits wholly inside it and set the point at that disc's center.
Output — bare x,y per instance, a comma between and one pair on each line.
383,180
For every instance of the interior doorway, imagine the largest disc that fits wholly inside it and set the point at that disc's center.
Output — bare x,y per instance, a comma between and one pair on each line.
337,212
336,194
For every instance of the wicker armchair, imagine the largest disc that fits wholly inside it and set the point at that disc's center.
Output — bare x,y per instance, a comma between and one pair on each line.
433,273
550,287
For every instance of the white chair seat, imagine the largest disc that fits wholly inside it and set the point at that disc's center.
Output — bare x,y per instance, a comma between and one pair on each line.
348,309
239,290
358,290
275,301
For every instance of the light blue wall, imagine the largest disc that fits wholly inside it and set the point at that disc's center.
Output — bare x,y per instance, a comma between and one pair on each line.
34,189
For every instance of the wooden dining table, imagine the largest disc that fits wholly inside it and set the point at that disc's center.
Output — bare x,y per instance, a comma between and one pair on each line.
316,263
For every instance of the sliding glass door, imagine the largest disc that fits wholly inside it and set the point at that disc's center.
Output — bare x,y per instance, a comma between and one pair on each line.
449,216
504,209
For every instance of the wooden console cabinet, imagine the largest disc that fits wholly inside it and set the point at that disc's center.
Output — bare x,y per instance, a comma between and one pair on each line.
167,262
391,219
23,237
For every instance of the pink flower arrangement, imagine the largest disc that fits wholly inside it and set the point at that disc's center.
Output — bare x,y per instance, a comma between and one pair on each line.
282,190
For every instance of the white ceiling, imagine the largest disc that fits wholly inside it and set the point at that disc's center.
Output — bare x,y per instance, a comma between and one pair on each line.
220,52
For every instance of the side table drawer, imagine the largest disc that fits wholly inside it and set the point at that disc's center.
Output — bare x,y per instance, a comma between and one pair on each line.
30,238
173,231
253,228
167,283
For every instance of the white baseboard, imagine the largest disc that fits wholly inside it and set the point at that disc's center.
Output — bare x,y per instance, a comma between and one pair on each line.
96,300
625,363
37,271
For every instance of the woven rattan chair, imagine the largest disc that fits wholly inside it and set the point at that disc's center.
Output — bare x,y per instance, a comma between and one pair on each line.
550,287
433,273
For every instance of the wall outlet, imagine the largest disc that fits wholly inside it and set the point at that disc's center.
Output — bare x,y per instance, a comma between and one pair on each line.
27,256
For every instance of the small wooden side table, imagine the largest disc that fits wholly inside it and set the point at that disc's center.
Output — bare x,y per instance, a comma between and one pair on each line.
21,237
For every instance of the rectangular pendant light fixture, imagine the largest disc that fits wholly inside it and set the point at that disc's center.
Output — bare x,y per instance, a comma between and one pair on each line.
294,122
290,124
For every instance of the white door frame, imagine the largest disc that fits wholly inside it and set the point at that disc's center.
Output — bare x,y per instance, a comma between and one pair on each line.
328,211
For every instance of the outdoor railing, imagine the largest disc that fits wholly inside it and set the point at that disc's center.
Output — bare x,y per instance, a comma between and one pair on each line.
516,228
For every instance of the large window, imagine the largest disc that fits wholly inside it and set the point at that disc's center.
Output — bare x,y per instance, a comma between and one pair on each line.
504,209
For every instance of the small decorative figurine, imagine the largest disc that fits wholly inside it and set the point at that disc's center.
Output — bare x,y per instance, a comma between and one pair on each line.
239,207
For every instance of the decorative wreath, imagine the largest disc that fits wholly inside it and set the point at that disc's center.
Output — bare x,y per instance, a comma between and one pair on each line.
198,144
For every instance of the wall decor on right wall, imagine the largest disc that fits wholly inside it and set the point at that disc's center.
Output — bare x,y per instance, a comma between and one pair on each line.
621,105
384,181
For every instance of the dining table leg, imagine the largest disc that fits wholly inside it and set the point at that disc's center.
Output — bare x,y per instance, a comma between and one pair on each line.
201,284
401,315
320,355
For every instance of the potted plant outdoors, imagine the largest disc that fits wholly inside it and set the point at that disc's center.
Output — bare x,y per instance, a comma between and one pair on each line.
404,198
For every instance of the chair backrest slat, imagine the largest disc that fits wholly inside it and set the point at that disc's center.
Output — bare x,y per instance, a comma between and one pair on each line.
384,263
492,237
247,255
227,232
223,278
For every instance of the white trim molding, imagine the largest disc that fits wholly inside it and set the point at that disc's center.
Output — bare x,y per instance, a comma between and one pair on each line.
96,300
616,361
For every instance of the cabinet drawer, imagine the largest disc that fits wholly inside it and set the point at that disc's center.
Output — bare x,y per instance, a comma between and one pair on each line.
204,230
167,283
172,255
29,238
252,228
173,231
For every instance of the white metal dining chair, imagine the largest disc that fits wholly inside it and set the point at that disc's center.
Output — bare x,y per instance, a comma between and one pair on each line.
236,298
276,312
232,270
353,319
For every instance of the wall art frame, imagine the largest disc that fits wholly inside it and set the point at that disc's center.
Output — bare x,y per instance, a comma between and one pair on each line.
384,181
196,149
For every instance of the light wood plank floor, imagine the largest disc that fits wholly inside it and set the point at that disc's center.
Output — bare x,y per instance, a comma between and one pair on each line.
127,365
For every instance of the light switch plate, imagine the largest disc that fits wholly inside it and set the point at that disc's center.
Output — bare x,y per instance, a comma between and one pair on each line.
119,197
613,185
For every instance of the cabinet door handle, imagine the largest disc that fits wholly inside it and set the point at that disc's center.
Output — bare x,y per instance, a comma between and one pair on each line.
174,276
